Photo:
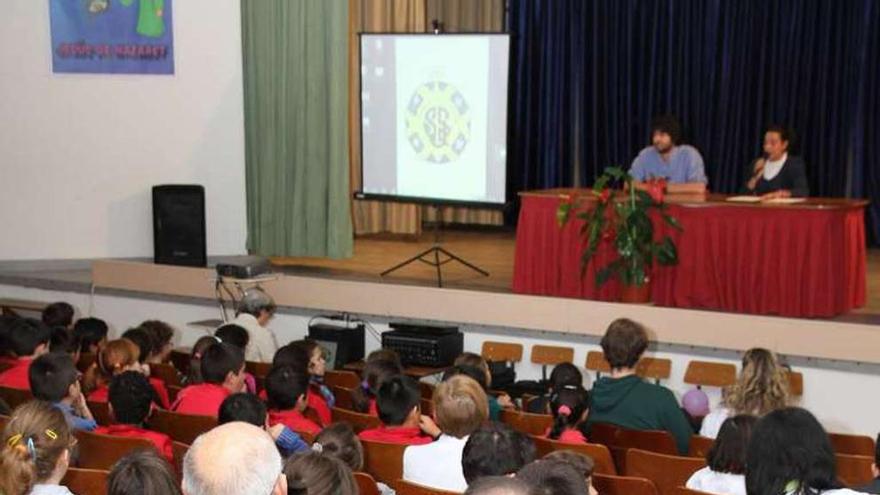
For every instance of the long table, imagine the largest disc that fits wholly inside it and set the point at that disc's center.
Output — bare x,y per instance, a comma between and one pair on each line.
802,260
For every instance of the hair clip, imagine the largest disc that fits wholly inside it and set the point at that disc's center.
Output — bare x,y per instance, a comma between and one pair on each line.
570,387
197,355
14,439
31,449
51,434
365,385
317,447
218,339
563,410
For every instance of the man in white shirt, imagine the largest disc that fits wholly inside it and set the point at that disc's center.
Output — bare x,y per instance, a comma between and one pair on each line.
254,311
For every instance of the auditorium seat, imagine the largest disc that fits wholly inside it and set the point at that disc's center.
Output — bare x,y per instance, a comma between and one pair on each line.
86,481
342,378
620,440
854,470
667,472
426,390
15,397
257,369
623,485
596,362
427,406
366,484
24,308
181,427
710,374
600,454
384,461
343,397
796,383
403,487
98,451
531,424
358,421
165,372
852,444
502,351
173,390
551,355
699,446
179,449
101,412
651,368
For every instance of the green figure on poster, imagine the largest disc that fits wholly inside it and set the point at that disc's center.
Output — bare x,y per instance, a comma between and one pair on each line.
150,15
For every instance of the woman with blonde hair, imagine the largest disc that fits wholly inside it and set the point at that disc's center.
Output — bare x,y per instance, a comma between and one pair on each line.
35,451
762,387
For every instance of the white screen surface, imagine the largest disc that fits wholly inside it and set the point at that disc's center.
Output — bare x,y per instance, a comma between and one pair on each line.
434,116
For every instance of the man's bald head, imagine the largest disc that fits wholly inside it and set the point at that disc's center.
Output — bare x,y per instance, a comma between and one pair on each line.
233,459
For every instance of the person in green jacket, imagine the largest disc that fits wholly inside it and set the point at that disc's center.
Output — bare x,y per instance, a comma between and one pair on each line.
624,399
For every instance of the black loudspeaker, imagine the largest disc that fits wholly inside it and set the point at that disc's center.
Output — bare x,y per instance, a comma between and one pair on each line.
179,225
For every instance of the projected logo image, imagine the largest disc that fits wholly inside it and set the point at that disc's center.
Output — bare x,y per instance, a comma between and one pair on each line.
438,122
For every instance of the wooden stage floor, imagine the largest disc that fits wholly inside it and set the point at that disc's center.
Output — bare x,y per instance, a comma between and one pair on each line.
492,251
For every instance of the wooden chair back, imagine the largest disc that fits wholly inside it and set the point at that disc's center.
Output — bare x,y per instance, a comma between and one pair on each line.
710,374
98,451
15,396
24,308
257,369
166,372
383,461
180,358
607,484
179,449
659,441
86,481
852,444
699,446
101,412
173,391
604,433
403,487
427,406
366,484
654,368
666,471
600,454
343,397
502,351
86,360
530,424
181,427
551,354
358,421
342,378
796,383
427,390
854,470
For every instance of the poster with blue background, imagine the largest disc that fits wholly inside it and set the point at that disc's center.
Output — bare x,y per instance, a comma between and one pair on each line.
112,36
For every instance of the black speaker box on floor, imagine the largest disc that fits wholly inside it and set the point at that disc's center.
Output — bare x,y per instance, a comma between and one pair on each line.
179,225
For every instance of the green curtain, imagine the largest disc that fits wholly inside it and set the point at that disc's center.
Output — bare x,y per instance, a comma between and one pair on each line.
295,58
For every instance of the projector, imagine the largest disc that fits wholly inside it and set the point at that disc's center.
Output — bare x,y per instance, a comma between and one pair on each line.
250,267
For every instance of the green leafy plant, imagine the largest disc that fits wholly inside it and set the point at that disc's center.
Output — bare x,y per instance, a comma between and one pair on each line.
622,217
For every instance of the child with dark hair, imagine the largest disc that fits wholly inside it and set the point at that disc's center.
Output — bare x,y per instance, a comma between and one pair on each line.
92,333
237,336
222,369
143,339
142,472
194,376
569,406
874,487
286,389
320,398
59,314
64,341
131,400
249,409
495,449
29,339
312,473
374,375
161,334
563,374
726,461
55,379
399,411
338,440
554,478
583,463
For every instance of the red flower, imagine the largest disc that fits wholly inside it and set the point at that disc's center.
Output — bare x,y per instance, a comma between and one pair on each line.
656,189
604,195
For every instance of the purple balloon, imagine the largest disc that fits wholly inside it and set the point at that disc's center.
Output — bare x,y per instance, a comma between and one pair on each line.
696,402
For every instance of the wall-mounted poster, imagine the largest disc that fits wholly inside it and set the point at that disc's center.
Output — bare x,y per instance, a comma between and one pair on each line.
112,36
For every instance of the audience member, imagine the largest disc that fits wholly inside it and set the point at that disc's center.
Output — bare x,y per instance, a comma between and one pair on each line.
222,369
339,440
117,356
142,472
235,335
554,478
762,387
495,449
375,373
320,397
496,404
584,464
569,406
726,461
286,389
249,409
312,473
563,374
460,407
29,339
500,485
254,311
384,355
131,400
162,335
58,314
874,486
64,341
55,379
624,399
92,333
233,459
398,403
146,344
194,376
35,451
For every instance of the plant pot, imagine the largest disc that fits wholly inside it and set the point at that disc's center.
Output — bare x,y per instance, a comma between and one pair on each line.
636,294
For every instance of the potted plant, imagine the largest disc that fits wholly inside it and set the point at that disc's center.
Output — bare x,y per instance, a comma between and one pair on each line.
622,218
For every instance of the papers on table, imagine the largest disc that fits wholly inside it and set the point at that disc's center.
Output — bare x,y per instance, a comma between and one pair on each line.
757,199
745,199
785,201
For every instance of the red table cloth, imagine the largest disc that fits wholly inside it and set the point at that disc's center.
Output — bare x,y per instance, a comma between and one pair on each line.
801,260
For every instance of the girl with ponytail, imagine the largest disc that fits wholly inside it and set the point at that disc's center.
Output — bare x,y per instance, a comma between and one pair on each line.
569,406
375,373
35,451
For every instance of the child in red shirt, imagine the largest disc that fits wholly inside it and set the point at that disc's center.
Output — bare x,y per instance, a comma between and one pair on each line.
222,369
286,389
131,399
119,356
398,404
376,372
29,339
569,406
306,356
144,340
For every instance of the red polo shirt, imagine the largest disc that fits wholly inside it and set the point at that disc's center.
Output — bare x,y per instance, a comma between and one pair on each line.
161,440
396,434
316,401
17,375
203,399
102,393
294,420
